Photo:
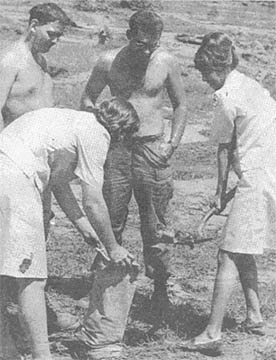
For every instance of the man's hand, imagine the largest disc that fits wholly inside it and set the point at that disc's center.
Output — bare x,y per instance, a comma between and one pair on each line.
89,108
86,104
119,255
166,150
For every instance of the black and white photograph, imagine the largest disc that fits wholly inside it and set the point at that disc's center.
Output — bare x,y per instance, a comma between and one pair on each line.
137,180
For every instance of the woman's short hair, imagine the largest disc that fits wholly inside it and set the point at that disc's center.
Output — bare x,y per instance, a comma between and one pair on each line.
216,52
119,117
147,21
49,12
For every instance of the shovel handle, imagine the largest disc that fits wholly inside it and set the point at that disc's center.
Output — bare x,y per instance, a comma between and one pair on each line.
100,248
207,216
230,194
214,211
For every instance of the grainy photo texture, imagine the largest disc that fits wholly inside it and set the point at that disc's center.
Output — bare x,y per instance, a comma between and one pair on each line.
137,180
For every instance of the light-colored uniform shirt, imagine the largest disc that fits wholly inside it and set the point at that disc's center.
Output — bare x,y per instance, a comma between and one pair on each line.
41,148
54,145
244,102
243,105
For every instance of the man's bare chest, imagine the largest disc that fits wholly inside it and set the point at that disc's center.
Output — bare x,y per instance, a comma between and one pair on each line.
32,81
126,83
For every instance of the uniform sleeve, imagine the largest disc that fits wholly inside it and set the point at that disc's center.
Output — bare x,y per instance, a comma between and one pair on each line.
225,113
92,147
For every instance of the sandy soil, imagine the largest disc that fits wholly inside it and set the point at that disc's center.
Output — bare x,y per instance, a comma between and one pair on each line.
252,24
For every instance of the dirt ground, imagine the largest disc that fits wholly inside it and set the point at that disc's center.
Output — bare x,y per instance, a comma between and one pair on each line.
252,25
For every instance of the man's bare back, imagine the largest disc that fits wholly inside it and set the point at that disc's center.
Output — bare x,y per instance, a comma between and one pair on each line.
26,82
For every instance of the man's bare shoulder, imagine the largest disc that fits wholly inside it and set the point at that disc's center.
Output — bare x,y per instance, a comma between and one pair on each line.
163,56
13,55
106,59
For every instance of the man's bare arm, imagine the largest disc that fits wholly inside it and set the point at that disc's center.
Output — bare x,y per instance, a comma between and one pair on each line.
8,73
176,92
95,85
1,122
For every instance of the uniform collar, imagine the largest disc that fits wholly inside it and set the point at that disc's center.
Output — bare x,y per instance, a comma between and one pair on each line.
232,81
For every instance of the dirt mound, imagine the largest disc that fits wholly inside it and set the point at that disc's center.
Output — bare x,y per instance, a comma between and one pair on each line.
107,5
91,5
141,5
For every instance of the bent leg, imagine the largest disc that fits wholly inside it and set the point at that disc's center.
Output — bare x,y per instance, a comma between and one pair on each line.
249,280
152,190
33,311
117,188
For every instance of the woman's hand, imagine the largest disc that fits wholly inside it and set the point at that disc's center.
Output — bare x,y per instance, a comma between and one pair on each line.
216,201
119,255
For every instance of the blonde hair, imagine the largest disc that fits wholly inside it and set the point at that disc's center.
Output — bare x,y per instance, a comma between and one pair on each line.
216,52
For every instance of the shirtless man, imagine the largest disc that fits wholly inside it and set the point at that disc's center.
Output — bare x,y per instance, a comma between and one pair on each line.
25,82
141,72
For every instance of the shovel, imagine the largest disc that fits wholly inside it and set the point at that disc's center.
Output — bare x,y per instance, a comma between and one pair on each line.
189,239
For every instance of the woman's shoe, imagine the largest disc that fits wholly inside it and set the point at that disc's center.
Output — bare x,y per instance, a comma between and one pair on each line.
251,327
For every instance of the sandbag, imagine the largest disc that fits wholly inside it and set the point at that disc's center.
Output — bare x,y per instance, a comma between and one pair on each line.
110,300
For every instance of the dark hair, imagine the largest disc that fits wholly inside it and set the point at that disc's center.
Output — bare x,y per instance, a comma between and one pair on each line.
49,12
119,117
147,21
216,52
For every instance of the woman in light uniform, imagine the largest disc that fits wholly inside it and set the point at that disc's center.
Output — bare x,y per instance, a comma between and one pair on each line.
245,130
40,152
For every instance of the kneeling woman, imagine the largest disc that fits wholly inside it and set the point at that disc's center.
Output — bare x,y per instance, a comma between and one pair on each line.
40,152
245,117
